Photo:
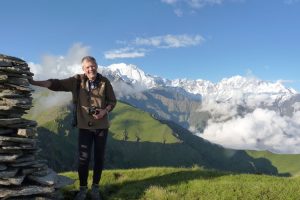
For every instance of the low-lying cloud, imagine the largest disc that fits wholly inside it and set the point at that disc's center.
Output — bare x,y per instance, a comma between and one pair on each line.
252,122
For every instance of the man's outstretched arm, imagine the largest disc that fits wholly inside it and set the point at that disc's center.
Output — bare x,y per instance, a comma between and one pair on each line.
45,84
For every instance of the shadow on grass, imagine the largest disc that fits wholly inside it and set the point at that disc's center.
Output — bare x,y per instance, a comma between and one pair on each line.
136,189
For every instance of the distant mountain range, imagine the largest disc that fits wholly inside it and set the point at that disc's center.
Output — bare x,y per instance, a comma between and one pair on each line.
201,105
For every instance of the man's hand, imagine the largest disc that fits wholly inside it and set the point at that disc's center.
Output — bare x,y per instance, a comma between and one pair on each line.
100,113
45,83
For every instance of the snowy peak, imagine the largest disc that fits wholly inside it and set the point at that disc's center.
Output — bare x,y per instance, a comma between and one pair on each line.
134,75
227,88
252,85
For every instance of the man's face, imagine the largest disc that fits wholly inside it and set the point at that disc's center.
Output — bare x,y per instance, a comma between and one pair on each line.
90,69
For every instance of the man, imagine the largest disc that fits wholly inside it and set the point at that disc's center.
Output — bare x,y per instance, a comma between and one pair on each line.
95,99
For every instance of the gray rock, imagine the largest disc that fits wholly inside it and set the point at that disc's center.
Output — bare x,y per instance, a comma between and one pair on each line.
3,167
17,123
9,157
12,181
25,163
7,143
4,59
11,113
25,158
11,94
19,148
62,181
9,173
3,78
16,70
28,133
44,172
16,101
9,151
5,131
24,191
18,139
27,171
39,165
21,88
48,180
18,81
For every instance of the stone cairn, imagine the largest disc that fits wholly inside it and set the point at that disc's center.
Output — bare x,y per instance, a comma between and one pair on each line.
22,174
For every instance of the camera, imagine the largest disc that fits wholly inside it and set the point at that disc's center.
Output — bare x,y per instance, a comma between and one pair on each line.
93,111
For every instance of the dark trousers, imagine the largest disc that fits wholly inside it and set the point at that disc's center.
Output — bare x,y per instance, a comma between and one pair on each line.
86,138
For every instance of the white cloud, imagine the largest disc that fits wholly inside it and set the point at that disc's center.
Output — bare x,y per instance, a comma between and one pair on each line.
170,41
124,53
139,46
60,66
250,116
171,2
201,3
178,12
261,129
180,6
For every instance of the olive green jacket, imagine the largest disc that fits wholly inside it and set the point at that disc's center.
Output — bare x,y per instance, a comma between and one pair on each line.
100,97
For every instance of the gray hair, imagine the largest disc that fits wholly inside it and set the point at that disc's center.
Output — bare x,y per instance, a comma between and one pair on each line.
89,58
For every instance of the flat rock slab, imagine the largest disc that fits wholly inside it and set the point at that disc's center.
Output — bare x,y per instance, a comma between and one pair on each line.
48,180
21,88
4,131
8,173
62,181
28,133
26,164
24,191
18,139
9,157
10,61
12,94
12,181
3,167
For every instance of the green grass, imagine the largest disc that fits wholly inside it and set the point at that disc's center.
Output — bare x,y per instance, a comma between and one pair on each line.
189,184
285,163
139,123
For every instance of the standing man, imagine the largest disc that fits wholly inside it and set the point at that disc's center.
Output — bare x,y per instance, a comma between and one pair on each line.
95,98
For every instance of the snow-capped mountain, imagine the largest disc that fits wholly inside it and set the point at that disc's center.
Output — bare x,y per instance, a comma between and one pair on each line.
237,112
131,74
228,88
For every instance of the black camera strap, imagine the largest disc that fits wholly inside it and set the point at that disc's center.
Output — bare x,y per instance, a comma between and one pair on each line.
75,100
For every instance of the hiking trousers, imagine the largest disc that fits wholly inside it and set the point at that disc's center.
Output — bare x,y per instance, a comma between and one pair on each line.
86,139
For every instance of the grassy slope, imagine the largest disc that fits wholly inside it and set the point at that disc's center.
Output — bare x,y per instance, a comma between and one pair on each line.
285,163
190,184
161,144
139,123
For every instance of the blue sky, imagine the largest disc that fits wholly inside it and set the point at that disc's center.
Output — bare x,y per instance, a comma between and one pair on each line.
194,39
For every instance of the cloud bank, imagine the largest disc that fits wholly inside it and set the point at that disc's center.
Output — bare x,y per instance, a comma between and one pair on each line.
253,122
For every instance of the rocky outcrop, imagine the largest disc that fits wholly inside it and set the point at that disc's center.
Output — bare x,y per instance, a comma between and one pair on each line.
22,174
